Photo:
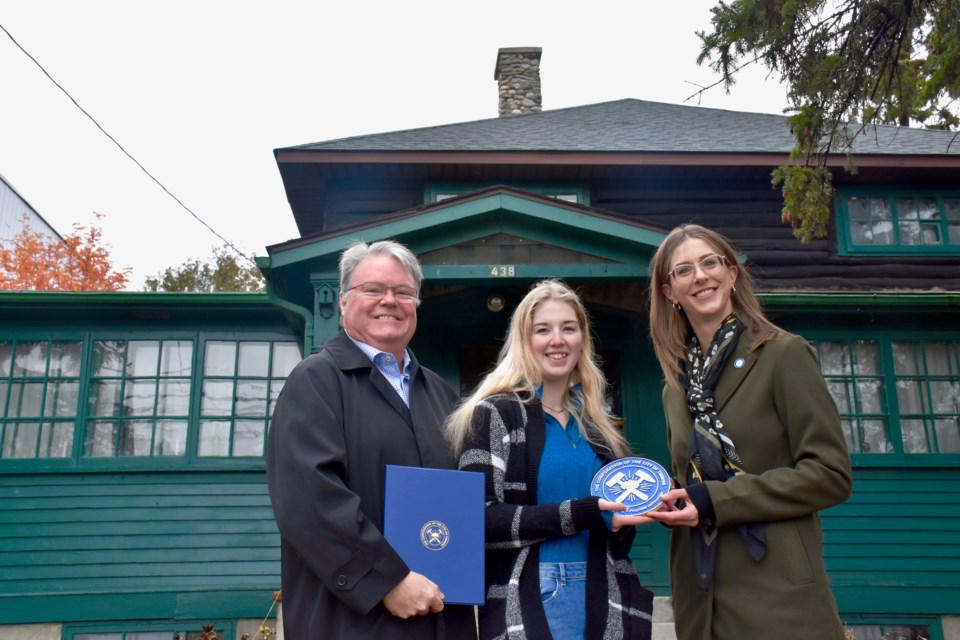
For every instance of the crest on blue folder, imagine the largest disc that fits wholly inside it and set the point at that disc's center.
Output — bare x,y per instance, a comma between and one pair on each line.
434,535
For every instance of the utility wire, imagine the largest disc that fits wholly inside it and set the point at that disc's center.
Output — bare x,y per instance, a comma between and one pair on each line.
125,152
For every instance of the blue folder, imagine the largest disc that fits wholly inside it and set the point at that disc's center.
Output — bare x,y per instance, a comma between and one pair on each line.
434,518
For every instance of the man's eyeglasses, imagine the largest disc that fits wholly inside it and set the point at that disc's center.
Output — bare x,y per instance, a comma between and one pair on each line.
708,264
376,290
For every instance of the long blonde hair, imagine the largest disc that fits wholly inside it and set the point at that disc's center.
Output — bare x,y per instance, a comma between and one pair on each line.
669,327
519,371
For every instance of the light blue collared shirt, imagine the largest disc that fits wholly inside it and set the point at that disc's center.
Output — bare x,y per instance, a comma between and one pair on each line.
387,364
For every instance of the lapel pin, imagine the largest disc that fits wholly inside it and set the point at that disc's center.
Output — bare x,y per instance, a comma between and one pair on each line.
738,363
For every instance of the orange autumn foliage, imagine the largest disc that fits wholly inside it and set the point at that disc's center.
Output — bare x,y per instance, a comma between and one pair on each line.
80,262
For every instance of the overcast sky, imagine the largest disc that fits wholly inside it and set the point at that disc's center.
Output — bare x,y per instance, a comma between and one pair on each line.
201,92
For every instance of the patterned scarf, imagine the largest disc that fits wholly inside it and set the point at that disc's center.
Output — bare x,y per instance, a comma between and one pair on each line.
711,452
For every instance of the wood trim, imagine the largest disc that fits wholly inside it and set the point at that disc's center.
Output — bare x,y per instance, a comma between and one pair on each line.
602,158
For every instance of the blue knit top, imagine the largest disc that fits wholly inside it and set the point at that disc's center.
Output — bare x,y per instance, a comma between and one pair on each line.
566,470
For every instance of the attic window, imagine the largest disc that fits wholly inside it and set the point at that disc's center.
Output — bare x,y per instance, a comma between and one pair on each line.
577,194
899,224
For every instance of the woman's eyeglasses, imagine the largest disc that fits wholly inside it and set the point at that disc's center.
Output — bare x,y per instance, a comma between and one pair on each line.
710,265
376,290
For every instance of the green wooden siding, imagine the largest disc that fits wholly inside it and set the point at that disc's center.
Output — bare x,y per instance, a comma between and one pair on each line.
125,546
893,546
92,547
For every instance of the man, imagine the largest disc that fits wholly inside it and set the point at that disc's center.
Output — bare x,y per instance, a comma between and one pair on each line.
357,404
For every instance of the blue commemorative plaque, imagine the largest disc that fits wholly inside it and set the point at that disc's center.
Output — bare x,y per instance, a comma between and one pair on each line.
637,483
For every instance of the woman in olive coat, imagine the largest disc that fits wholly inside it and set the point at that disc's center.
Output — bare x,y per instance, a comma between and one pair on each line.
757,448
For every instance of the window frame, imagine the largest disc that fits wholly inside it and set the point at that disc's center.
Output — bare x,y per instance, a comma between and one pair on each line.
226,628
237,378
433,191
125,381
847,247
10,379
885,340
856,620
78,462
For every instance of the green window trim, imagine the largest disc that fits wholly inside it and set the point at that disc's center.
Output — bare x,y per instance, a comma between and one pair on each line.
137,400
39,394
239,392
897,396
578,193
148,630
898,223
862,627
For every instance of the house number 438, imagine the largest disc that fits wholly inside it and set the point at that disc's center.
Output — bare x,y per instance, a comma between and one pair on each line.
502,271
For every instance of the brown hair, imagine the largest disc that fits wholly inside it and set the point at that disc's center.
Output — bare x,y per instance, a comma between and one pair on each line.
669,327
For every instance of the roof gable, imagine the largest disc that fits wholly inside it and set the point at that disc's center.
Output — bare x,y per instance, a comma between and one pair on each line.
498,226
502,247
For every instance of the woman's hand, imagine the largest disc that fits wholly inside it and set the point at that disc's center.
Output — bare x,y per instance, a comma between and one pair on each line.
621,520
673,515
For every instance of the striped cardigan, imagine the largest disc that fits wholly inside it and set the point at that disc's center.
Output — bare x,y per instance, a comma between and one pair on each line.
506,443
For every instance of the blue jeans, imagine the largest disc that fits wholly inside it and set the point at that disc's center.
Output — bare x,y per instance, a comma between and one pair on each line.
563,589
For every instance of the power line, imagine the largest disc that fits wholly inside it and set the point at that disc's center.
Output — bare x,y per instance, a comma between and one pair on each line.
125,152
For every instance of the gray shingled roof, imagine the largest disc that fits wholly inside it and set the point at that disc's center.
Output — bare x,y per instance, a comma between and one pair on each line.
632,126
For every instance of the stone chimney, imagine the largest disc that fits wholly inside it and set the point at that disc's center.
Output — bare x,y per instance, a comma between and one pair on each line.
518,79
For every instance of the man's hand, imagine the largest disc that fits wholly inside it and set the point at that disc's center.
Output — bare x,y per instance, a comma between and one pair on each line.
416,595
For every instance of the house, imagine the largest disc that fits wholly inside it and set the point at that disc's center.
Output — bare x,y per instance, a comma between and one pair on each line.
153,518
15,212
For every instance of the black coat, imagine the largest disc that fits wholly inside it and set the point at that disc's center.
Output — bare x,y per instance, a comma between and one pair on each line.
336,425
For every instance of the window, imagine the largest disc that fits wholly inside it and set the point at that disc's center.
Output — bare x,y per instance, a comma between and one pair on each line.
139,399
149,635
39,397
899,224
174,400
852,374
575,193
888,632
895,396
928,393
152,631
241,382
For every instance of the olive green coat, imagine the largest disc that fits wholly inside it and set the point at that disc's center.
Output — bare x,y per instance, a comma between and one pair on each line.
775,406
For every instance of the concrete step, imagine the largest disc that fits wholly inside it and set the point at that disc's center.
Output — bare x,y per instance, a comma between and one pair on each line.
663,619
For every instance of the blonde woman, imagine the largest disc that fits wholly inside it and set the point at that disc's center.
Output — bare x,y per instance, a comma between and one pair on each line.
558,561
